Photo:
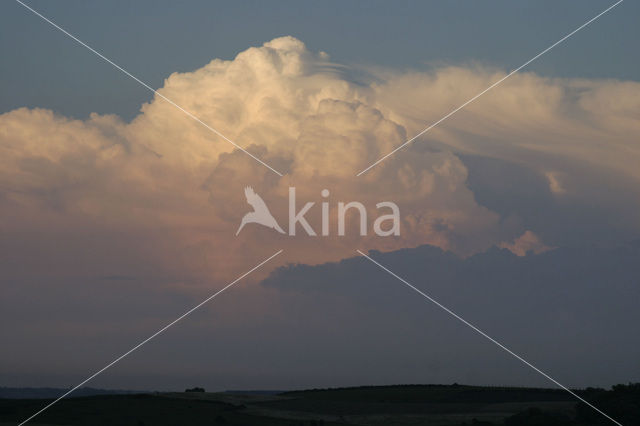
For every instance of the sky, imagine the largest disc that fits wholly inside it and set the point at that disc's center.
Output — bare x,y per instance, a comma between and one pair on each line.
118,212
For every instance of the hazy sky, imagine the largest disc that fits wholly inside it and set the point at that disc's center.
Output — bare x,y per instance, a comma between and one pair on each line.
118,212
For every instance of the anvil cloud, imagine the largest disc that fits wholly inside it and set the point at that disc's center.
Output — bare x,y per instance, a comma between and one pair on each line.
172,192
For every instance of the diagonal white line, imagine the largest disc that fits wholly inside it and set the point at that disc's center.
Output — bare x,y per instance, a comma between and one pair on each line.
152,336
490,87
149,87
482,333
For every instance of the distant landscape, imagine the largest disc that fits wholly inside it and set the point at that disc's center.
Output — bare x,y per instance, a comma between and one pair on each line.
45,393
434,405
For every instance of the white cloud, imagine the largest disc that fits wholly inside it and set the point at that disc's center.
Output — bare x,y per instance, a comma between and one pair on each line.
555,184
525,243
165,175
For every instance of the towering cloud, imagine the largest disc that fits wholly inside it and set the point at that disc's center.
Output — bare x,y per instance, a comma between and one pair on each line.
125,225
173,190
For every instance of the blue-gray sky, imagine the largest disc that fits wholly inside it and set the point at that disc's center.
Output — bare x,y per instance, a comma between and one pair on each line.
42,67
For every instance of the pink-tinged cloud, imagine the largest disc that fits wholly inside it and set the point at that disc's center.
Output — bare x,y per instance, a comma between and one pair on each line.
173,190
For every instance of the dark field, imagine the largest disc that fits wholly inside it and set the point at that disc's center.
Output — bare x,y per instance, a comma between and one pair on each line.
445,405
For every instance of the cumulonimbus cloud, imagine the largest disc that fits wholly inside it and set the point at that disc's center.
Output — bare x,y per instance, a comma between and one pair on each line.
179,187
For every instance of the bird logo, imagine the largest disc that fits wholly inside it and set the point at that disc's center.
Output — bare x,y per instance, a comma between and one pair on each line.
260,213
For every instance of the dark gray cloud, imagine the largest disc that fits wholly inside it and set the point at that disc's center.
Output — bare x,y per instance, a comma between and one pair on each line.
571,311
592,211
